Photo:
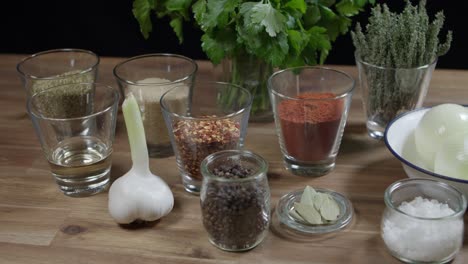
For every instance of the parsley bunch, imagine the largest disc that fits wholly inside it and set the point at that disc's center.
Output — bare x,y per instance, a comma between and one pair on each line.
284,33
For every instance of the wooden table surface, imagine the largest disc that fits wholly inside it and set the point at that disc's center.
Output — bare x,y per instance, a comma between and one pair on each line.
38,224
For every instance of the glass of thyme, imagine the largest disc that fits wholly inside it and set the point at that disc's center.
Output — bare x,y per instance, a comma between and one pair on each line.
200,123
47,69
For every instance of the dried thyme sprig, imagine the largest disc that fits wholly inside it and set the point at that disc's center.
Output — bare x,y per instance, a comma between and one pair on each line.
404,40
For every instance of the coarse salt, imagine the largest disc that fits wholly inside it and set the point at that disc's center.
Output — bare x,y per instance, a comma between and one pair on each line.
431,239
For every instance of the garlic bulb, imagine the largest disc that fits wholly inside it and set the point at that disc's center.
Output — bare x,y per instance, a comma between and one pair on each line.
139,194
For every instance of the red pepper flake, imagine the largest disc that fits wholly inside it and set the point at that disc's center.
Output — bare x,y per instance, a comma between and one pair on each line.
196,139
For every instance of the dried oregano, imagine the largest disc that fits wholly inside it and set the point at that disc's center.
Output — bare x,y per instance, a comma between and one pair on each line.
404,40
397,42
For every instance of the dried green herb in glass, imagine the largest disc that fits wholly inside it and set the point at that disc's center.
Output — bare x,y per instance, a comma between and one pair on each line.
397,41
403,40
66,99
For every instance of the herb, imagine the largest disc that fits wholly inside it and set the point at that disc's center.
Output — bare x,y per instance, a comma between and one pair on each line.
283,33
403,40
398,44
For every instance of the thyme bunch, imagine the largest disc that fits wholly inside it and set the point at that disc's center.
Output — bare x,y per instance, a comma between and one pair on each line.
404,40
404,47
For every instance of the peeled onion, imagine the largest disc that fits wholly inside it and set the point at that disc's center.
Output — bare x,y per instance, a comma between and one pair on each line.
438,124
452,157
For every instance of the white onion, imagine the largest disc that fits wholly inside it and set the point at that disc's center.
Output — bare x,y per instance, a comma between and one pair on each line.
452,157
436,125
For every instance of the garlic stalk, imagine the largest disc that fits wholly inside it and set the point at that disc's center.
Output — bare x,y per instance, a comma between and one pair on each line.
139,194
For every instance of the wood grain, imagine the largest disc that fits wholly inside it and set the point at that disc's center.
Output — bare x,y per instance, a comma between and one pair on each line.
40,225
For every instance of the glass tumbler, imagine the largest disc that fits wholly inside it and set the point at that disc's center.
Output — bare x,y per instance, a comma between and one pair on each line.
75,124
424,233
388,92
51,68
310,106
235,199
148,77
201,121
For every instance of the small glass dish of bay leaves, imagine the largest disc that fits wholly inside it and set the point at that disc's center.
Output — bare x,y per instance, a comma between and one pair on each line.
314,210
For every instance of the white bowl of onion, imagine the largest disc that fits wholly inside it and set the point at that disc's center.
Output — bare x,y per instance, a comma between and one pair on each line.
432,143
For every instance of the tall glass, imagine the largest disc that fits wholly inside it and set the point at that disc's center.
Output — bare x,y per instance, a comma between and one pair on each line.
148,77
200,123
388,92
75,124
51,68
310,107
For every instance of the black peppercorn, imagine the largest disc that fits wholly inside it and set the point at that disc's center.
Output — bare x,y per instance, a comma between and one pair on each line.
235,208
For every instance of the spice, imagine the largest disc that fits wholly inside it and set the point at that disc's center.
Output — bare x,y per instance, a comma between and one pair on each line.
315,208
310,127
235,213
76,76
427,240
196,139
148,92
410,40
66,100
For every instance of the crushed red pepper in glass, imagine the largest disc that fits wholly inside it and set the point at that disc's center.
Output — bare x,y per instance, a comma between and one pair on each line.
195,139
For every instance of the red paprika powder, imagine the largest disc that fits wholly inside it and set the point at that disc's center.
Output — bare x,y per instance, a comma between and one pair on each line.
310,127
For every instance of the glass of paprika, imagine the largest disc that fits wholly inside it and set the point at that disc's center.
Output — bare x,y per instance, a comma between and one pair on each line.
310,106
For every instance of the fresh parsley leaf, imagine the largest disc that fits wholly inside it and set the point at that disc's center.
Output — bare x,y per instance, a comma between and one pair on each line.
299,5
219,43
275,49
312,16
326,3
269,17
199,9
212,48
327,13
298,40
320,42
217,14
246,7
142,12
179,8
176,24
348,7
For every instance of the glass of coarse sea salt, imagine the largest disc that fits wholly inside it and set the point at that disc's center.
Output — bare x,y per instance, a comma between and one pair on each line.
423,221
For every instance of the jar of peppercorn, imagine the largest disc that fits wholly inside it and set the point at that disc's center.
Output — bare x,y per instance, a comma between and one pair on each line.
235,199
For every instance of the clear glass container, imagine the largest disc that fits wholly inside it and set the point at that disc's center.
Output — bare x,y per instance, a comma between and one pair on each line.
310,106
148,77
389,92
51,68
286,204
200,122
431,238
235,199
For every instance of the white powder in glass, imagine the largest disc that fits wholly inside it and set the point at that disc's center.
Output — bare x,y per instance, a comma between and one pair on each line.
149,96
422,239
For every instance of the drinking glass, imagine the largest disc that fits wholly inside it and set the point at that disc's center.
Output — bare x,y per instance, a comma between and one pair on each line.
423,239
75,124
235,199
388,92
51,68
148,77
310,106
200,122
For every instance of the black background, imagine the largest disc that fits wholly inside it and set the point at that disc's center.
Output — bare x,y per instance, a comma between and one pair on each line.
109,29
